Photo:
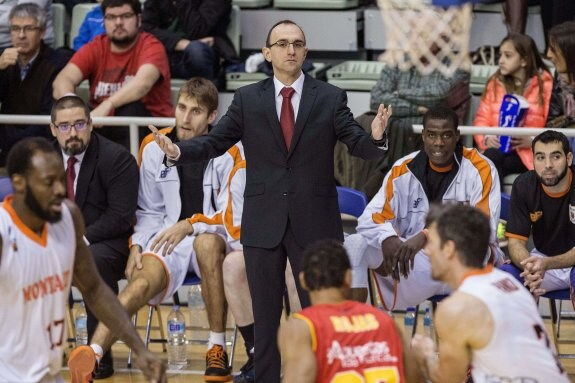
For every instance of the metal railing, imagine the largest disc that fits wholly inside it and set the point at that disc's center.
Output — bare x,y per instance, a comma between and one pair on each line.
131,122
470,130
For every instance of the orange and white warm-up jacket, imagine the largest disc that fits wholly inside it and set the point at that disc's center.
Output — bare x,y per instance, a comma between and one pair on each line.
159,203
401,205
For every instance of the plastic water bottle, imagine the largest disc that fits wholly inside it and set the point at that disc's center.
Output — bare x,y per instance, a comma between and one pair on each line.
176,339
409,322
428,323
198,315
81,325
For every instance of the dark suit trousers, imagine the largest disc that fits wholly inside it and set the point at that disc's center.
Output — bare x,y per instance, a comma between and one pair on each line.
266,278
111,265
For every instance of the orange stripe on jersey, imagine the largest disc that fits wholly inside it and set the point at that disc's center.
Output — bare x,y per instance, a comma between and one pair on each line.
387,212
484,170
150,138
39,239
311,330
215,220
516,236
229,216
486,270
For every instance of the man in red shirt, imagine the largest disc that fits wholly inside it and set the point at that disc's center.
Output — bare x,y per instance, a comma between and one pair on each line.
336,340
128,70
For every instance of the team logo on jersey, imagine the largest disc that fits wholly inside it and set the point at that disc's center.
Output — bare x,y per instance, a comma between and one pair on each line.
416,202
535,216
572,214
164,173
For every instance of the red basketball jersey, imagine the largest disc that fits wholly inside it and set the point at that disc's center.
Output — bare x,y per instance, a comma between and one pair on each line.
354,342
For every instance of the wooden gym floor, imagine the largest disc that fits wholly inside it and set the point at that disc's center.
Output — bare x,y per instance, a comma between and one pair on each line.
196,364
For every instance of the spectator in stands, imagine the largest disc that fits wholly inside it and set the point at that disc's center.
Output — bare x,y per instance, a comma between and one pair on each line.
562,53
553,12
194,34
391,233
322,343
412,94
27,70
521,72
102,178
541,206
290,197
489,327
92,26
128,70
182,225
6,34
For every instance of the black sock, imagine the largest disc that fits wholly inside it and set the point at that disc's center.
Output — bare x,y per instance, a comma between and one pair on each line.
248,335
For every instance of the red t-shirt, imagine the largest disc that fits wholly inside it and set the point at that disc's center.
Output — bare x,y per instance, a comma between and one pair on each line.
352,340
108,71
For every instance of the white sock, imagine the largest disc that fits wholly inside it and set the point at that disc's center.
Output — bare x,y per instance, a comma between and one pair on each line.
217,338
98,351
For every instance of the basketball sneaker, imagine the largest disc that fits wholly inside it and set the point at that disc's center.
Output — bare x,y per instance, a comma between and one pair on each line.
217,365
247,373
82,363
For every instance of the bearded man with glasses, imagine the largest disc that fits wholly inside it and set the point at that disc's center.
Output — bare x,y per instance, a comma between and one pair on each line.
102,178
27,70
127,69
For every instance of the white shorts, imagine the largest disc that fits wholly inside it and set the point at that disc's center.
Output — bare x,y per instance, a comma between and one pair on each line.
411,291
177,265
554,279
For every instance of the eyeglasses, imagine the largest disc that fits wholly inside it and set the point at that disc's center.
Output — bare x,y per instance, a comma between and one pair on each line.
78,126
25,28
123,17
298,44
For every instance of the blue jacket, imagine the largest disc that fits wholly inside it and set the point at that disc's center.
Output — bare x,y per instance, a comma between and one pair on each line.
92,26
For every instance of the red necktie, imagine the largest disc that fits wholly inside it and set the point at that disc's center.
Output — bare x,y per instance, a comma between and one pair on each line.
286,116
70,177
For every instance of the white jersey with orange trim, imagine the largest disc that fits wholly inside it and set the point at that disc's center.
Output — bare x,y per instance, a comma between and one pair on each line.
159,205
401,205
35,278
519,349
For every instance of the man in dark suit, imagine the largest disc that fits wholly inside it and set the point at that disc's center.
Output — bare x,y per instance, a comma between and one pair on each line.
102,178
290,198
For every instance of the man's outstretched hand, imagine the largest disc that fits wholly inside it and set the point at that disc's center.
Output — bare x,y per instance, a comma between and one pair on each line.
168,147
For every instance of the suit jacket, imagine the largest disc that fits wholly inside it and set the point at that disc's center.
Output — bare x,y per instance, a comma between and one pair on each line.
107,193
296,185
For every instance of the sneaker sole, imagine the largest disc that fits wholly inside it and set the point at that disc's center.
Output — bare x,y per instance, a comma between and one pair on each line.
213,378
82,363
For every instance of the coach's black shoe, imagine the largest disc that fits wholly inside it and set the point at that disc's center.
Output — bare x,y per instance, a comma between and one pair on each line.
247,372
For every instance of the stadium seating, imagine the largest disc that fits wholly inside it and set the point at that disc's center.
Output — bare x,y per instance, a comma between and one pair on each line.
556,312
59,24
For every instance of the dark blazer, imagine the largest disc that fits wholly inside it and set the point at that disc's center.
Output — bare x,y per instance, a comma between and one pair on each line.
297,185
107,192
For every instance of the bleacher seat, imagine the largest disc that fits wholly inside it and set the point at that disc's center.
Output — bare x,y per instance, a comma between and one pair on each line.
79,13
234,29
59,24
355,75
317,4
252,3
479,76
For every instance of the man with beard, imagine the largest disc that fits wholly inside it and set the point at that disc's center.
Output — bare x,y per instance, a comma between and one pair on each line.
488,318
543,205
391,232
102,178
128,70
42,251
